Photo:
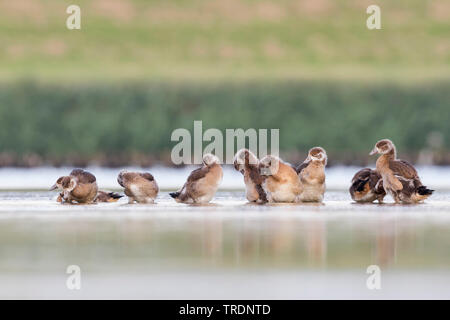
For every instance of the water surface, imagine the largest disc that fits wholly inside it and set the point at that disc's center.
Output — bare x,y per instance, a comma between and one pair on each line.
228,249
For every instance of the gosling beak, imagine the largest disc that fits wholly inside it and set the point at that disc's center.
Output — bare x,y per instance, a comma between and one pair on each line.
374,151
54,187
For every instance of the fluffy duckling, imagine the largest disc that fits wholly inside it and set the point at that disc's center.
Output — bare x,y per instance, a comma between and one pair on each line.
400,178
103,196
202,183
367,186
80,186
248,164
282,183
139,187
312,175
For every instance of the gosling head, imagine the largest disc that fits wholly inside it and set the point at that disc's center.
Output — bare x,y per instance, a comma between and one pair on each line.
318,154
59,183
210,160
269,165
66,183
383,147
242,157
121,178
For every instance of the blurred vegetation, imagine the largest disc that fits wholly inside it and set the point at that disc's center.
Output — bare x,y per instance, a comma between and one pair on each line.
113,91
217,39
113,123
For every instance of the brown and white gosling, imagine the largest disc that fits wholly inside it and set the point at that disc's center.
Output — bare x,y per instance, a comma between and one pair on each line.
367,186
140,187
202,183
312,175
282,183
400,178
248,164
80,186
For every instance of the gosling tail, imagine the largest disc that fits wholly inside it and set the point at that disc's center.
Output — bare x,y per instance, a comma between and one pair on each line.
360,184
175,195
421,194
424,191
115,195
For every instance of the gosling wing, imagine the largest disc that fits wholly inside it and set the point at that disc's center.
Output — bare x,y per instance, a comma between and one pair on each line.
403,168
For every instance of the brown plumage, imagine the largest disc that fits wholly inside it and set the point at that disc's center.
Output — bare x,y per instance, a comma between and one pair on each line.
139,187
202,183
400,178
103,196
367,186
248,164
312,175
80,186
282,183
83,176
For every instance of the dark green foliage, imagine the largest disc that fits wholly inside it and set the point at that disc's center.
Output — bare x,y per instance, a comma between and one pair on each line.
54,121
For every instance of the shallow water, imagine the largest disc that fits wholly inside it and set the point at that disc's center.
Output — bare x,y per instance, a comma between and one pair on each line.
228,249
338,177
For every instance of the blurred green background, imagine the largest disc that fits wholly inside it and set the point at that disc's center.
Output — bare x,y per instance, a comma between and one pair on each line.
112,92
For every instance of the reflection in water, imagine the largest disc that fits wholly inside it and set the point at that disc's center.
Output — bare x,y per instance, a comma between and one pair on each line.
296,243
212,240
316,242
283,239
287,241
180,250
221,243
243,237
385,242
